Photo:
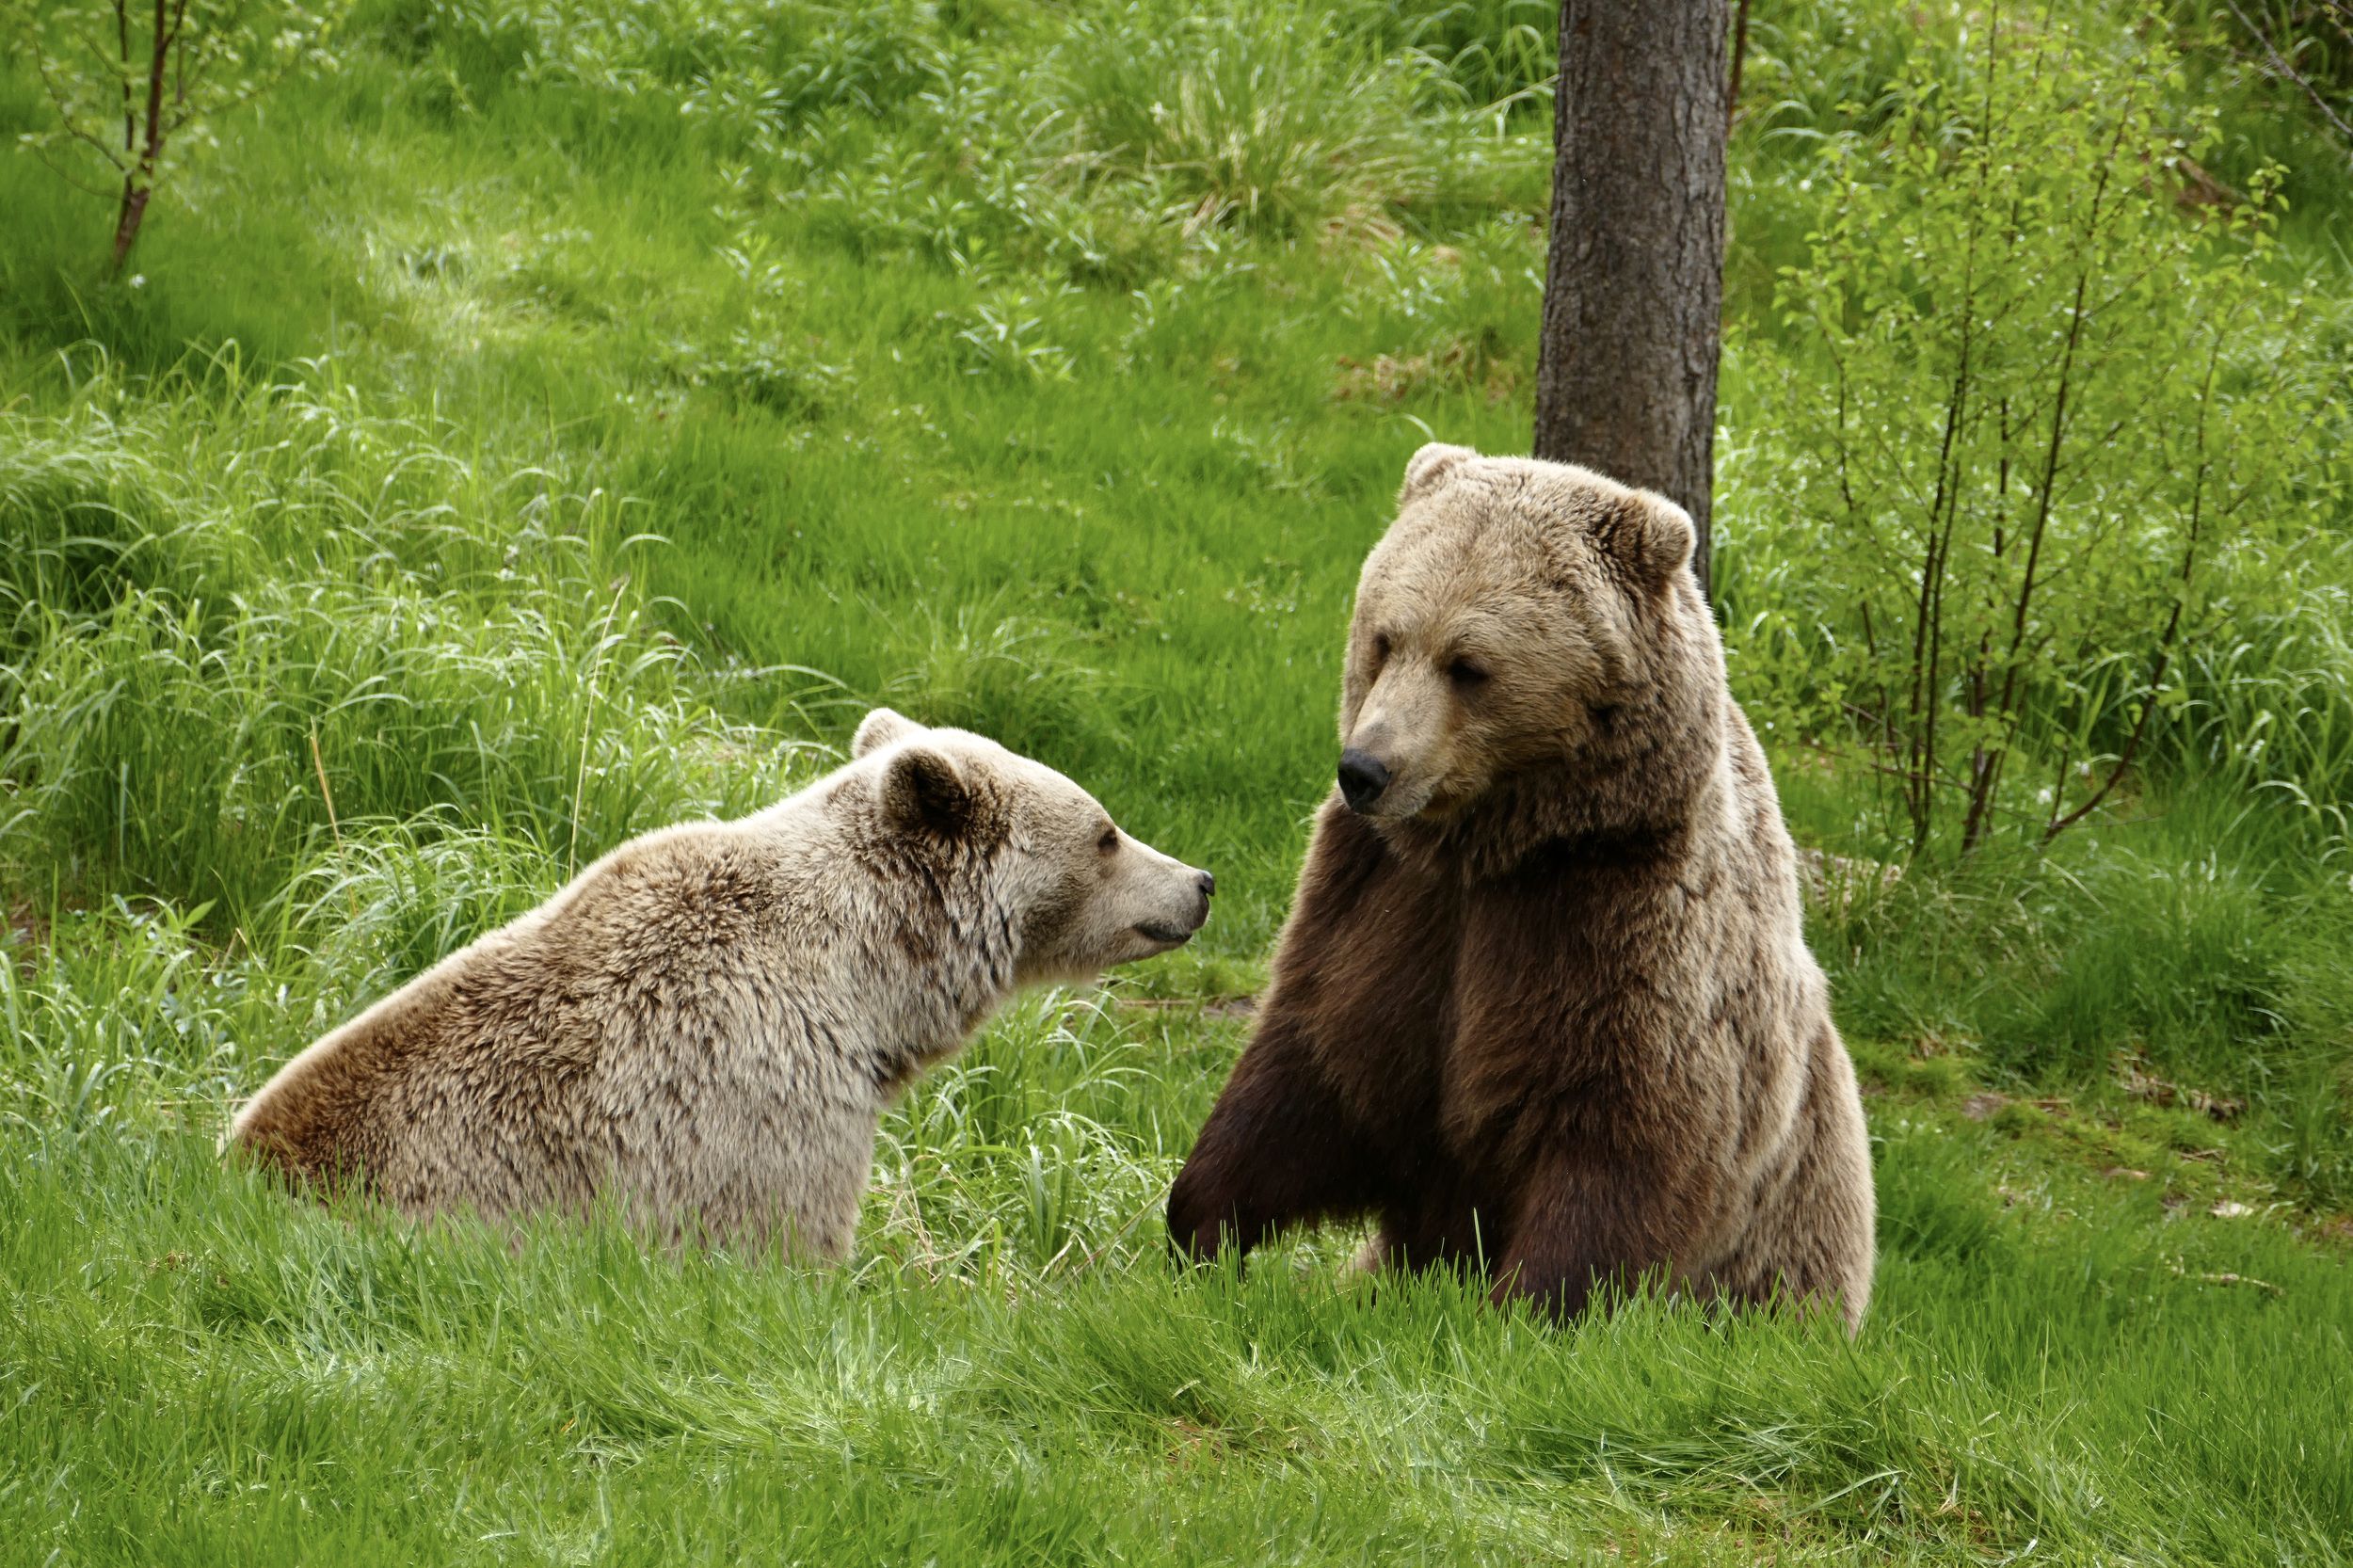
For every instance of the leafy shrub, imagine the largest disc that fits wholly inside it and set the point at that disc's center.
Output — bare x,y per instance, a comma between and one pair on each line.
761,368
2041,425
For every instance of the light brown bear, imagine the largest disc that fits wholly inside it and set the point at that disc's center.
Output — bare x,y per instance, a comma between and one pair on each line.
705,1025
1543,1005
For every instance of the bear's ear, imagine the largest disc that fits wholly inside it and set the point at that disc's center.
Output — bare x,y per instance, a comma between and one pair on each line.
925,792
1650,536
1425,468
879,729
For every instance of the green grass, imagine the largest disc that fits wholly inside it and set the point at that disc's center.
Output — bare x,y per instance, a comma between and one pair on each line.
567,418
2095,1364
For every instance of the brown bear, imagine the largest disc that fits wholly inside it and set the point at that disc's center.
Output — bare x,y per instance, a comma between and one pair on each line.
706,1025
1543,1005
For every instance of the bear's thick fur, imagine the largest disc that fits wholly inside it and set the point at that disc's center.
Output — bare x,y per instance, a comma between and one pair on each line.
704,1027
1543,1005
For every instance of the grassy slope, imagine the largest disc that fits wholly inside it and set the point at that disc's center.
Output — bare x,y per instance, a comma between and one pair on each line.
1029,460
2053,1360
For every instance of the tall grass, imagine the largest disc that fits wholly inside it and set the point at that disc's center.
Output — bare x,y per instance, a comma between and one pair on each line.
1266,115
230,653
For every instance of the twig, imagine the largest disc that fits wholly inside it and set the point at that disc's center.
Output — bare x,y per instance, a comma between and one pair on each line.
334,827
1739,54
2280,67
63,104
2059,823
2006,709
318,764
588,720
2177,1271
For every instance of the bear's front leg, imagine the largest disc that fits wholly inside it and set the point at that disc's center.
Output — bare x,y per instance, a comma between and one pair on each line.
1278,1151
1583,1226
1433,1219
1337,1081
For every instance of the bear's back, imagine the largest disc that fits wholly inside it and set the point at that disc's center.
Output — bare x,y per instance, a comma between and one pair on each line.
496,1075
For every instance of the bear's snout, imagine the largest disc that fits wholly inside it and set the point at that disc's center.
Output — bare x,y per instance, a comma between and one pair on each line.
1176,930
1363,777
1204,886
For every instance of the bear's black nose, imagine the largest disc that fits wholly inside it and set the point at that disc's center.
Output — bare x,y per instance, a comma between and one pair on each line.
1362,778
1208,884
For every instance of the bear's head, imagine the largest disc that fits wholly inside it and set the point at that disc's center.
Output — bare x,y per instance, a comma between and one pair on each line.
1530,658
1079,894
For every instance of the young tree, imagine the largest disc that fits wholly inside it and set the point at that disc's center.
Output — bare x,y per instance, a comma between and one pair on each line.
131,80
2051,431
1625,375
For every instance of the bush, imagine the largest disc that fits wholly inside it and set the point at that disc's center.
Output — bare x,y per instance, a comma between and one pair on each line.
2048,426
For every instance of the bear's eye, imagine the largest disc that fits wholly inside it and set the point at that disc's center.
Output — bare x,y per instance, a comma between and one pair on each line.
1380,646
1109,843
1466,672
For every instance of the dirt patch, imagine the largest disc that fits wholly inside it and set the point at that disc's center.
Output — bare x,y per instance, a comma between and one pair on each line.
1395,378
2199,191
2132,1073
28,933
1208,1007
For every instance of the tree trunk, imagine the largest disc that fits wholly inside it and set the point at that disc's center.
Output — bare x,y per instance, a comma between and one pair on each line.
129,213
138,181
1625,377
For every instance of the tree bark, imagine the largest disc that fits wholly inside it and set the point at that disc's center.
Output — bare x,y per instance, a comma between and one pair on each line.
1625,375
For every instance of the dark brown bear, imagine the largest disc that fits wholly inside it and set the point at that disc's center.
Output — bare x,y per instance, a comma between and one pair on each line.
1543,1005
